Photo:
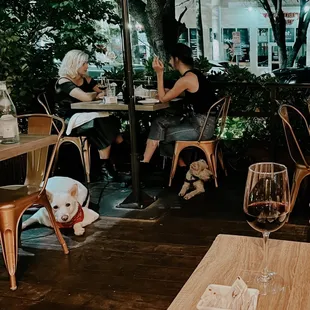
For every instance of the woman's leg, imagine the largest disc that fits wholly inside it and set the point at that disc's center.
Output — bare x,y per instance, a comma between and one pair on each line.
157,133
105,153
151,146
119,139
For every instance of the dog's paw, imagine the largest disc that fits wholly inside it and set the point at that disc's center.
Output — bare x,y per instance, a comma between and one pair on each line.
182,193
188,196
79,231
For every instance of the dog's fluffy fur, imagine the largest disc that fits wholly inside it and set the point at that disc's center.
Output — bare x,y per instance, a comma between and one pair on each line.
198,169
65,195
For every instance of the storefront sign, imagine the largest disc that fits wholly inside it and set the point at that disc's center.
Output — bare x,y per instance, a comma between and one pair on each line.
237,50
290,17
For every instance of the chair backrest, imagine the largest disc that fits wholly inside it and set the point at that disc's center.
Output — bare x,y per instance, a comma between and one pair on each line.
40,124
44,102
286,113
42,98
220,109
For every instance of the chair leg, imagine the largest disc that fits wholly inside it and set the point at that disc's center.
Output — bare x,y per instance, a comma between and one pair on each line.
299,175
86,159
221,160
174,164
9,243
211,163
56,158
44,202
214,164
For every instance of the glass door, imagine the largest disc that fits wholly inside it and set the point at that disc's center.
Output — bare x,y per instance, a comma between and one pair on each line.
274,54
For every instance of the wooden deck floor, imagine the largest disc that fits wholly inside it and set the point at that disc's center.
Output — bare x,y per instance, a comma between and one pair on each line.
128,264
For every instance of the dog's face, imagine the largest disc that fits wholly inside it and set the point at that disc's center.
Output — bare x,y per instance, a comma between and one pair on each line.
201,170
65,205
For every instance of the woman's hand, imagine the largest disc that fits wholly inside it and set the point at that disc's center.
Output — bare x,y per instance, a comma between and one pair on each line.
100,95
158,65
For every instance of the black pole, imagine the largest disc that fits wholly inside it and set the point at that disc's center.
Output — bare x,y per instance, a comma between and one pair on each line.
129,99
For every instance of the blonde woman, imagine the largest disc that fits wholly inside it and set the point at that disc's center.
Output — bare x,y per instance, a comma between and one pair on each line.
73,86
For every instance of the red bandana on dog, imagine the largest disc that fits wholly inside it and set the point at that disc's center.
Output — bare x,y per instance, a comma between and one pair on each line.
78,217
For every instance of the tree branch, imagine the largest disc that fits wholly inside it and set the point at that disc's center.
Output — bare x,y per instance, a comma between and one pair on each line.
182,14
185,1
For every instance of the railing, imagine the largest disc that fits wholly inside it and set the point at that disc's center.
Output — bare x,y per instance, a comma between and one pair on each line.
274,90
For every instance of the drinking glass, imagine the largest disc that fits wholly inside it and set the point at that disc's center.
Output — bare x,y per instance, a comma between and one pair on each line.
148,86
266,207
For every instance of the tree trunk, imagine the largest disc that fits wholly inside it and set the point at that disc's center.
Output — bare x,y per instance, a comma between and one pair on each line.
292,57
200,28
301,37
161,27
279,34
278,25
155,34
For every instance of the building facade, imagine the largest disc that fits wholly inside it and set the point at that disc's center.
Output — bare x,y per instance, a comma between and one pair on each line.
240,32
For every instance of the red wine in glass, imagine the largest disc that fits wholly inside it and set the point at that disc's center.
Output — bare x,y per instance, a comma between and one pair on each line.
266,215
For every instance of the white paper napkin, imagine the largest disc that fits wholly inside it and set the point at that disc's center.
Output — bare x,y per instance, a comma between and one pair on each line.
235,297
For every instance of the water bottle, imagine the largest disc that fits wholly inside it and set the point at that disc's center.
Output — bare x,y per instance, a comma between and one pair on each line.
113,89
9,132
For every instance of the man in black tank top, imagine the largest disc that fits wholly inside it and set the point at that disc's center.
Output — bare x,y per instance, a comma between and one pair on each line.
199,96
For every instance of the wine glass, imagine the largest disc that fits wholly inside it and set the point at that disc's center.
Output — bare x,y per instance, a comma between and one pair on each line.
266,207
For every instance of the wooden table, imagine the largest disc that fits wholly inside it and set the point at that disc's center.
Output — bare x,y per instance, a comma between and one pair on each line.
27,143
230,256
99,106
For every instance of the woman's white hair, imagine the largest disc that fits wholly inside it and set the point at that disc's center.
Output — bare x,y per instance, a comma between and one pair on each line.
72,61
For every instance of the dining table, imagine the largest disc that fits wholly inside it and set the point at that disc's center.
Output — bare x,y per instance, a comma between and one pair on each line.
232,256
26,144
98,105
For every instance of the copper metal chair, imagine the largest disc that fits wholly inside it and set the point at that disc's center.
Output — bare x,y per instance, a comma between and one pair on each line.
16,199
210,147
302,168
80,142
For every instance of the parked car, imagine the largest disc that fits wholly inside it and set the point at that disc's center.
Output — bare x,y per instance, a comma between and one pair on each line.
217,67
293,75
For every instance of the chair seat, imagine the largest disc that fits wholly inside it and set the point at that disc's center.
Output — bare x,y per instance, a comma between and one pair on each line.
13,192
300,164
198,142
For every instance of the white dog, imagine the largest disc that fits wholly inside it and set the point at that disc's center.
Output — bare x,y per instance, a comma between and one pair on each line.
69,200
197,174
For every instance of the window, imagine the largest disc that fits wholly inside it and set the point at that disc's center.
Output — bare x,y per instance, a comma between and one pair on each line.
233,50
262,47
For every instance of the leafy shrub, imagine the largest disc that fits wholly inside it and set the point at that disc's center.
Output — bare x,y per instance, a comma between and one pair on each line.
35,33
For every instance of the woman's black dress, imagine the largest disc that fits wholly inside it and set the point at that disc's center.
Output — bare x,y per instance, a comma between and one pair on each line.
100,131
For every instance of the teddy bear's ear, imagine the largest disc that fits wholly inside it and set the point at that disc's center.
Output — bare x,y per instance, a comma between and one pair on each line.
74,190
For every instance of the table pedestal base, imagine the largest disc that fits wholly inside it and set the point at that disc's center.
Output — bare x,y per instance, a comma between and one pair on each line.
131,203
